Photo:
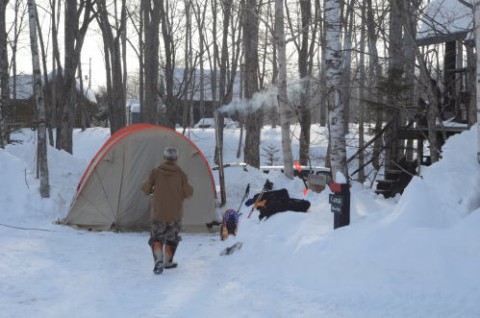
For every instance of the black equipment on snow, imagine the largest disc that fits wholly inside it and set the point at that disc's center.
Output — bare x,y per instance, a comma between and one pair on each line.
275,201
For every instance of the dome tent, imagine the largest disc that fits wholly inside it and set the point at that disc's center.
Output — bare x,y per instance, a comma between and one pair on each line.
109,197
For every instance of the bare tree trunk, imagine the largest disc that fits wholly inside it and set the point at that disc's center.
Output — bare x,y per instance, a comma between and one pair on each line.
477,46
141,57
42,161
304,59
431,87
347,67
285,112
56,82
81,105
4,87
374,74
21,10
334,98
189,68
169,67
395,74
471,86
200,18
362,103
214,88
253,123
74,38
219,118
113,51
410,21
273,113
240,139
123,36
65,130
151,19
432,116
227,13
323,83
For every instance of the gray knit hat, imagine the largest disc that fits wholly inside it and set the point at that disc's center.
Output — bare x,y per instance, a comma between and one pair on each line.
170,154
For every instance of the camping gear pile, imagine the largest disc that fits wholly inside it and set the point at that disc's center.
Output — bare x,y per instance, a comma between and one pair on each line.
268,202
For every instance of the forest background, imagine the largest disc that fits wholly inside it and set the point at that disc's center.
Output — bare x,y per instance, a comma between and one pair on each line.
348,61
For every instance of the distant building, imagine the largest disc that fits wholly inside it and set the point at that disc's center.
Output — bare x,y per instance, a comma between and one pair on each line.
190,93
22,110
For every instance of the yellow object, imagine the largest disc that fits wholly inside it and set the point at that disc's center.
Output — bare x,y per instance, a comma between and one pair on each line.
260,204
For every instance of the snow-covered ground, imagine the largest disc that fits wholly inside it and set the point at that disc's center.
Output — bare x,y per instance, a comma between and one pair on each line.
412,256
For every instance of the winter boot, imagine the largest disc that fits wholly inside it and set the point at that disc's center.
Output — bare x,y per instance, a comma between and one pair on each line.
170,249
158,256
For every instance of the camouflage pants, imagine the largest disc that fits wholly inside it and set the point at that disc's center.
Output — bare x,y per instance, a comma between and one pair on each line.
165,232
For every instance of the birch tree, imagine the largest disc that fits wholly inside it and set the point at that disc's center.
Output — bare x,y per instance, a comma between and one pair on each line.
336,115
42,162
285,112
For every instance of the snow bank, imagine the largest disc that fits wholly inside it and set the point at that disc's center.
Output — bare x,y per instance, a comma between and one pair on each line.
411,256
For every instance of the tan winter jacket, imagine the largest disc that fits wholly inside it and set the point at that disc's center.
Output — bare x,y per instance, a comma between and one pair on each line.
169,185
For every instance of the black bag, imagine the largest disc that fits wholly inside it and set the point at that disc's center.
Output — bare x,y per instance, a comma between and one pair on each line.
276,206
274,195
298,205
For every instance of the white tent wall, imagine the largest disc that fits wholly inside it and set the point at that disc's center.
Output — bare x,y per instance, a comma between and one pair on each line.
109,196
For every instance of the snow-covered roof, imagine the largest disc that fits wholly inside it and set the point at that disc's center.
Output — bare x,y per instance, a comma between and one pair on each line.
24,88
445,20
87,93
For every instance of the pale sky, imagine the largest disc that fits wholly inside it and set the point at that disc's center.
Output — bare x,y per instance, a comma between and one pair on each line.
92,49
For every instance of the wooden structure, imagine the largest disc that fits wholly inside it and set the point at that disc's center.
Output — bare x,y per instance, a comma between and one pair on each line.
402,170
453,83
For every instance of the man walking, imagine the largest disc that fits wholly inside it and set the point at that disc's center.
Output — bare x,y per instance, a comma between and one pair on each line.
169,186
